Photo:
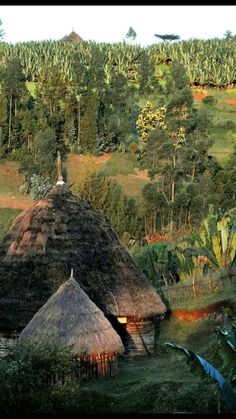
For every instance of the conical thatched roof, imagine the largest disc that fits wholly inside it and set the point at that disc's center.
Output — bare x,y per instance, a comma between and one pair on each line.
72,37
60,232
70,316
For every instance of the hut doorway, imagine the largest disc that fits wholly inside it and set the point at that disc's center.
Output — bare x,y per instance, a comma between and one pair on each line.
137,335
120,328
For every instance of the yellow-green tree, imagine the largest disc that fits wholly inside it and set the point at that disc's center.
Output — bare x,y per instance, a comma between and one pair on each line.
149,120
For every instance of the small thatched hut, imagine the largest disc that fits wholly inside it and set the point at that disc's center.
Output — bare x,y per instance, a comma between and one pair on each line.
72,37
72,318
60,232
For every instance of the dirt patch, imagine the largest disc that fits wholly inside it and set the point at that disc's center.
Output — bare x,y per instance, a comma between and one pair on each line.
13,202
199,95
211,311
141,174
83,158
231,101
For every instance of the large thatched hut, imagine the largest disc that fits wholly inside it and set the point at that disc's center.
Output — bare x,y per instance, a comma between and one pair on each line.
60,232
72,37
70,317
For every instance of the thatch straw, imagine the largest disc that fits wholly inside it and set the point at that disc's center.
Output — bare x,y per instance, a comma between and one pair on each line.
72,37
70,316
60,232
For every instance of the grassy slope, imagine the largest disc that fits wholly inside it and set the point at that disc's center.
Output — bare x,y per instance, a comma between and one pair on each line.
158,383
222,118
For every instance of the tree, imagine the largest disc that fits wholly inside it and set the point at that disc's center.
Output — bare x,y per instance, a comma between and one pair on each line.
228,35
114,113
88,122
223,188
51,88
168,38
148,120
40,158
175,151
131,34
13,89
105,195
2,34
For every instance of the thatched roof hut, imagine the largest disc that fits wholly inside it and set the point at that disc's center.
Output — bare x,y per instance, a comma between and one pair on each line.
72,318
72,37
60,232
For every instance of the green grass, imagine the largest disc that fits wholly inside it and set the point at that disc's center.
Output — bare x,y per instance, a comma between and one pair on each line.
7,216
158,383
222,127
131,186
123,164
204,300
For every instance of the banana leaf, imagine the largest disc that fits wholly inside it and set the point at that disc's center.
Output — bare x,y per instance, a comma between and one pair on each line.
217,250
227,342
222,226
232,247
208,369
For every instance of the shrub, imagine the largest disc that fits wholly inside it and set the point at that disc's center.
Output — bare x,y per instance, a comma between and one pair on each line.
39,186
25,385
210,100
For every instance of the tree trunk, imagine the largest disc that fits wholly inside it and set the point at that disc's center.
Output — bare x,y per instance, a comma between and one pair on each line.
154,221
9,125
16,108
78,121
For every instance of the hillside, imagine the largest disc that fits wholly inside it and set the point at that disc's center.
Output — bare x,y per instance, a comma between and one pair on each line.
124,168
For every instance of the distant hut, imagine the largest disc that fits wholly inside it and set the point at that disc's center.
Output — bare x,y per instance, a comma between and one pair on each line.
62,231
72,37
69,316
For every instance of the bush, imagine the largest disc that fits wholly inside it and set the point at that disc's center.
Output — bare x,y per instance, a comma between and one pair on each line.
39,187
210,100
25,385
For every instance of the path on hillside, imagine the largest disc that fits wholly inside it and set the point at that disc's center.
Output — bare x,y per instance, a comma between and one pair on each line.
13,202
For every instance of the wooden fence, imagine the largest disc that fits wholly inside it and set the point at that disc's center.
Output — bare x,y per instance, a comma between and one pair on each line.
180,293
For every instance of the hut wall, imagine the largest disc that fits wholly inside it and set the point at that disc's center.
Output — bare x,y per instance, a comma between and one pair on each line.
99,365
90,366
7,340
140,338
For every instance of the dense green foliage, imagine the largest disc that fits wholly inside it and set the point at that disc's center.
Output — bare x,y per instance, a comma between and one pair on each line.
105,195
85,98
38,380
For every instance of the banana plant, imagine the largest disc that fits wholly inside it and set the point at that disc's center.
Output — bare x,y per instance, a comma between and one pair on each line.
191,267
227,351
214,245
220,245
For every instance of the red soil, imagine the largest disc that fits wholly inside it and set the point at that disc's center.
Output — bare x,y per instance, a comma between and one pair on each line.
199,95
12,202
98,160
210,311
231,101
